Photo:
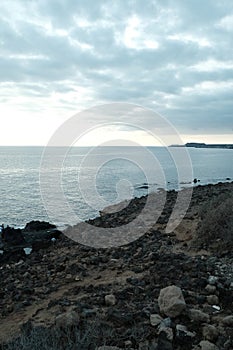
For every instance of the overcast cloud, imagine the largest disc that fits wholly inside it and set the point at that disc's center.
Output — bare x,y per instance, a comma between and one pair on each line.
58,57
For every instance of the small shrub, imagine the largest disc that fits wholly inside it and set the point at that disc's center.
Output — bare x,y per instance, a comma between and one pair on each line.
215,231
87,336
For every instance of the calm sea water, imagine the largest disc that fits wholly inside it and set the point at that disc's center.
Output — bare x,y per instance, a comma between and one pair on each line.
94,178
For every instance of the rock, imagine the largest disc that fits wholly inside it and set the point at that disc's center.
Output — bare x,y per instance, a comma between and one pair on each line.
228,321
105,347
143,345
128,344
171,301
199,316
110,300
212,300
210,289
168,331
38,226
155,320
27,275
12,236
163,342
212,280
67,319
166,322
182,332
206,345
210,332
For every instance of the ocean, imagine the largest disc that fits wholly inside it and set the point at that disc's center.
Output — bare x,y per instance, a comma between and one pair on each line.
92,178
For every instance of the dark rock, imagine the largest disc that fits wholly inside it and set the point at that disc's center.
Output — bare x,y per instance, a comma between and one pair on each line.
163,342
12,236
38,226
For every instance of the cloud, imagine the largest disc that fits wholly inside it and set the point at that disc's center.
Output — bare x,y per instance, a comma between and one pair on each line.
173,56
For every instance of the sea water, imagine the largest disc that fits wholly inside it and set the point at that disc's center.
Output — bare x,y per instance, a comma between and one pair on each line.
94,177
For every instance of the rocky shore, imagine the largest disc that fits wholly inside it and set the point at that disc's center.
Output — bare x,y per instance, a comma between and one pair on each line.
160,292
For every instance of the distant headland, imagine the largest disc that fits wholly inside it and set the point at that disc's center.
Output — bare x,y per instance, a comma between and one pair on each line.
204,145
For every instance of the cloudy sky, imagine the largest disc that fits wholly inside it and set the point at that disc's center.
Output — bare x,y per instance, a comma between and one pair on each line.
59,57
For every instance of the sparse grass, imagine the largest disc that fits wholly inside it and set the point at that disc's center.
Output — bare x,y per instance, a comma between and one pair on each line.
88,336
42,338
215,230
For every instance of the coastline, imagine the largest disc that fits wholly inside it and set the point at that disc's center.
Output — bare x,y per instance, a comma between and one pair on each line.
72,282
145,189
122,213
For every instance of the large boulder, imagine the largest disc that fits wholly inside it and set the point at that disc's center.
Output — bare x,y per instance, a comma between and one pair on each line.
171,301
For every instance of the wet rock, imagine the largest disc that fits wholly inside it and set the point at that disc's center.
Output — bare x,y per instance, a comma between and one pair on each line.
171,301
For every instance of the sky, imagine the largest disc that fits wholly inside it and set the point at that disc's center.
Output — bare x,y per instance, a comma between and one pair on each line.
60,57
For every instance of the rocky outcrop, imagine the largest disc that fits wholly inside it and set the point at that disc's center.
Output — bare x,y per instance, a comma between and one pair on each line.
33,226
12,236
16,243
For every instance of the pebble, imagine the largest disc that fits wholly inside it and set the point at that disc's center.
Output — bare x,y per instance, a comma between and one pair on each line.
110,300
155,320
212,280
128,343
